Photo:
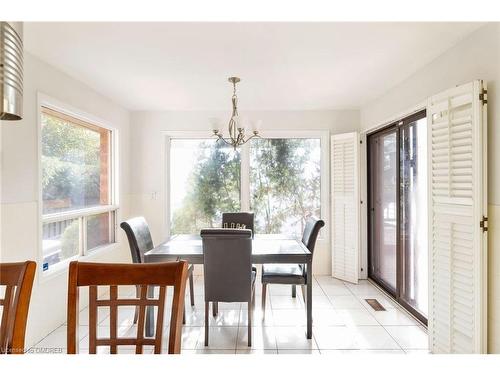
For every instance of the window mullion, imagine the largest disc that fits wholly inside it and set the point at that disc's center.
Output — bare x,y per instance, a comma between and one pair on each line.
245,178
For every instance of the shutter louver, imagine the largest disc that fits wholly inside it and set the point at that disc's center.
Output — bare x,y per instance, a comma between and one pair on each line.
457,186
345,199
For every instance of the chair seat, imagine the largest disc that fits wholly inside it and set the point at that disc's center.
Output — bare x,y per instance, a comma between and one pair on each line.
282,274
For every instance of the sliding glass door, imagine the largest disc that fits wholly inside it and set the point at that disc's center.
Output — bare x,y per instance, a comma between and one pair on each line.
383,211
413,182
397,176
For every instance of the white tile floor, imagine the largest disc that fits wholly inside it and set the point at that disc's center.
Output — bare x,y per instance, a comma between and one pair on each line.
343,323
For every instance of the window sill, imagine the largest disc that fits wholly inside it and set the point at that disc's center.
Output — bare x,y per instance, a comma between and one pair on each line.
62,267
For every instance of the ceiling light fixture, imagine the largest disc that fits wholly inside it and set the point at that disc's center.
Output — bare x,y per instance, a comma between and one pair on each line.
236,131
11,71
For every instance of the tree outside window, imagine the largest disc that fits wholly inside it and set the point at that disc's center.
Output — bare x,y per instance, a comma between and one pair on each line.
205,181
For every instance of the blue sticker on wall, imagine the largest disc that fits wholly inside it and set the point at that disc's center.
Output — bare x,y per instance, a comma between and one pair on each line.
45,266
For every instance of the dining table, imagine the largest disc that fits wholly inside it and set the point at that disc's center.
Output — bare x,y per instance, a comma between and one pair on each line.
266,249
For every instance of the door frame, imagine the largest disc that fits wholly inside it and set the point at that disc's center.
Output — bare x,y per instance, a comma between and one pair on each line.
396,294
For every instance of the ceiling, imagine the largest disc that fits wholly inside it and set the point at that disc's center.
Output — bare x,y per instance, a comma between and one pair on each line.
283,66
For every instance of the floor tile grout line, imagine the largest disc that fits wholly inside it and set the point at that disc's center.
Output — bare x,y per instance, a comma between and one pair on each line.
271,310
51,332
238,330
397,343
398,306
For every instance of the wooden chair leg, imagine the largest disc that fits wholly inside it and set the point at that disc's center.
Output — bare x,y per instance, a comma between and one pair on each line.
303,287
294,291
207,311
184,316
249,323
191,288
264,296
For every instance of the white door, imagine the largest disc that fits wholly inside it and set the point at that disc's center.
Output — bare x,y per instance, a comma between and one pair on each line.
457,204
345,206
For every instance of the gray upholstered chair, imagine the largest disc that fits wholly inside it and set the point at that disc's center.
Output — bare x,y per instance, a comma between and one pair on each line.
237,220
227,269
140,242
292,274
243,220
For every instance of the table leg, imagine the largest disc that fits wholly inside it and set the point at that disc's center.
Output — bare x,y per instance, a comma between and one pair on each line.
150,318
309,299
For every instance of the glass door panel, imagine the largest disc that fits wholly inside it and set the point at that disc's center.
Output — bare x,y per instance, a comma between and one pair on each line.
413,162
383,208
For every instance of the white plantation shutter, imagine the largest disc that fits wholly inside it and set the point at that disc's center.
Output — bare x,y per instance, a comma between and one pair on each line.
457,244
345,199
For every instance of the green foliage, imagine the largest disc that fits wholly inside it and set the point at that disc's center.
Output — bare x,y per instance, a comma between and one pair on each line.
70,240
285,186
213,188
70,163
97,230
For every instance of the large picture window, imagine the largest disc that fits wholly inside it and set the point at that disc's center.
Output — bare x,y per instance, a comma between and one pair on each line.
279,179
78,214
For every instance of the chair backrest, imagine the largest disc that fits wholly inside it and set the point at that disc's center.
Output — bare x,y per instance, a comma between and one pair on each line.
113,275
139,237
311,231
227,264
235,219
17,280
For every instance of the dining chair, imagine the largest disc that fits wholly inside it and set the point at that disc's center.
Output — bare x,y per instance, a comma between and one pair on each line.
140,242
227,269
238,220
17,281
93,275
292,274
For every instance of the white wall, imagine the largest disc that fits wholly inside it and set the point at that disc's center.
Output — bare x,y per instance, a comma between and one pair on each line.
148,163
476,57
19,186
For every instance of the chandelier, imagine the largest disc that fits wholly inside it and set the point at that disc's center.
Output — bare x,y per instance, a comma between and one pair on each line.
236,132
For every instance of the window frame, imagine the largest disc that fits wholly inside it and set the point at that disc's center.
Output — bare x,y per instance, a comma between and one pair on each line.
82,214
322,135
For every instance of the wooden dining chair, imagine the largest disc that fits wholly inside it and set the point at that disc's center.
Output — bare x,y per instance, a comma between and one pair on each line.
113,275
17,278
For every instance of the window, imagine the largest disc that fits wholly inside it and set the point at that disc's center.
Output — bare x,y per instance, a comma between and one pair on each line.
205,182
279,179
285,178
78,215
